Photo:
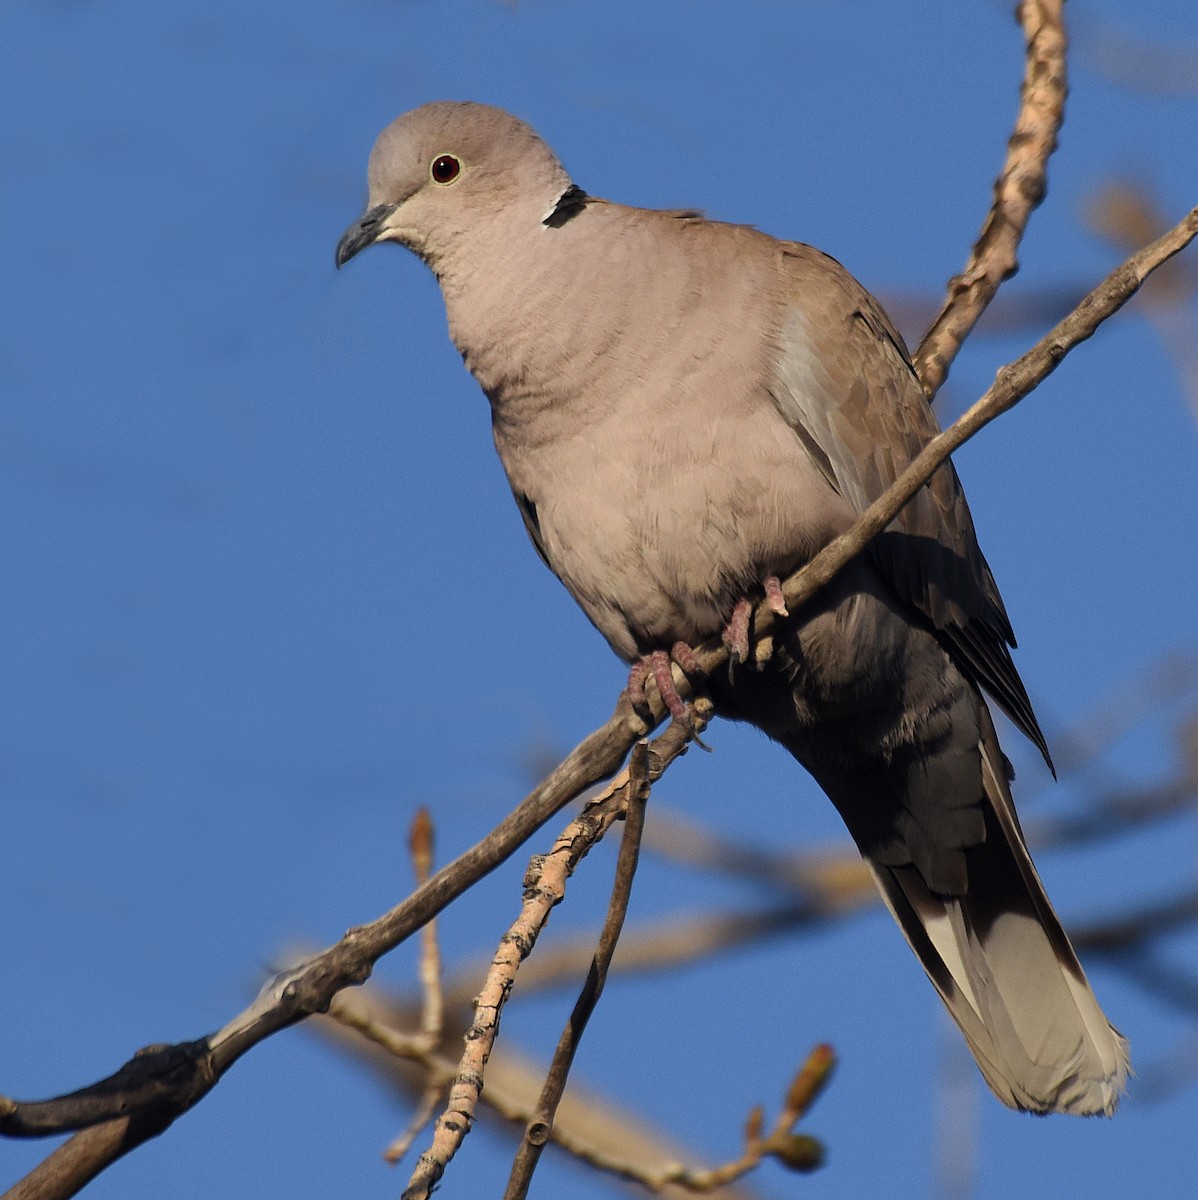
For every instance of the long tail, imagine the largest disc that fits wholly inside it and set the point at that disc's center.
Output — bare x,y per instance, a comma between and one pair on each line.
1006,971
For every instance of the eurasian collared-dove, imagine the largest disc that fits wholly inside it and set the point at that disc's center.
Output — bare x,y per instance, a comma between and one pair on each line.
687,410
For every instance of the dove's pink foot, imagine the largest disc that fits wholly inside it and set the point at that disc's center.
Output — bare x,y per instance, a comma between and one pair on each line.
658,664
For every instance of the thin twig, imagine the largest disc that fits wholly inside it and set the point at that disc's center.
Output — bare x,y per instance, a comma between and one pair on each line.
432,1008
420,843
793,1150
426,1109
1111,816
410,1046
1018,190
308,987
540,1125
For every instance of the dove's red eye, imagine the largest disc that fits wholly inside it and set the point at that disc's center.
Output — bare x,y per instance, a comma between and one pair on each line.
445,169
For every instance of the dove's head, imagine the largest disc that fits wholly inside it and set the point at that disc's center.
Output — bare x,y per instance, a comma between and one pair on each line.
448,172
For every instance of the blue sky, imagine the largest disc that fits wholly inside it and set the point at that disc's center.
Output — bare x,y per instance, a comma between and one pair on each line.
265,591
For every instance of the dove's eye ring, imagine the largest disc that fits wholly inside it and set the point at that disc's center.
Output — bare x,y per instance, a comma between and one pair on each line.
445,168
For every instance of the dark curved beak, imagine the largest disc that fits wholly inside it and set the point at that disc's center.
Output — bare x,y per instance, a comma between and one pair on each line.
363,232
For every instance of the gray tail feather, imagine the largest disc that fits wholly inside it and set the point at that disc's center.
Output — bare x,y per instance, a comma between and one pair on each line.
1006,971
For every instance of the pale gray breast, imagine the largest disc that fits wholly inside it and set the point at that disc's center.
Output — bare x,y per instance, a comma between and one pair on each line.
654,470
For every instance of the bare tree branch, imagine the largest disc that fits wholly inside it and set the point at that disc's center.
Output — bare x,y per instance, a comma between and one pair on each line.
1018,190
432,1007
